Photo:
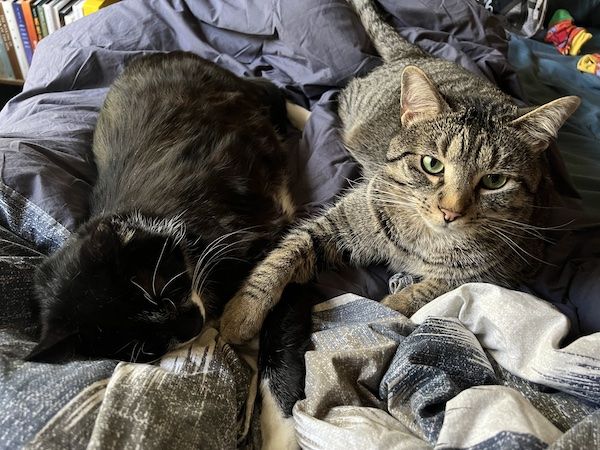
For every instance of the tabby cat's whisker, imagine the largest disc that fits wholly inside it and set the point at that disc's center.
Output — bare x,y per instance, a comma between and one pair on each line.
506,239
534,234
510,243
535,227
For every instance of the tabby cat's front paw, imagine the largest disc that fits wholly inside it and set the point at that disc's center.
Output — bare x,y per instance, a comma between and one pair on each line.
402,302
242,318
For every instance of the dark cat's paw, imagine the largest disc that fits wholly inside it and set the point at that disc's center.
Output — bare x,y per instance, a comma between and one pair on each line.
242,318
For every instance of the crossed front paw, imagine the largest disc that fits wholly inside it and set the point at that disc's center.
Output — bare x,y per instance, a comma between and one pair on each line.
402,302
242,318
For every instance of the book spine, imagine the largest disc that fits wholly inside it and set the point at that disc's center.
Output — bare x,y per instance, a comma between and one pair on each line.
28,15
42,16
49,17
9,46
23,31
70,17
78,9
56,18
36,23
6,71
15,36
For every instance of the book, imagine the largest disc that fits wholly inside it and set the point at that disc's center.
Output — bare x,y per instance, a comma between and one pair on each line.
78,9
6,72
36,19
56,9
49,15
11,20
91,6
65,11
70,17
42,16
18,9
9,46
28,14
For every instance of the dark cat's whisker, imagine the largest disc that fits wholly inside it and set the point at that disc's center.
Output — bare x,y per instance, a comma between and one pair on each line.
225,258
133,351
145,352
210,247
168,300
147,295
208,268
16,244
124,347
157,265
170,281
207,265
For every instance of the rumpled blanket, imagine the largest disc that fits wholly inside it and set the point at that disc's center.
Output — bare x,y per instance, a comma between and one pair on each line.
204,395
480,367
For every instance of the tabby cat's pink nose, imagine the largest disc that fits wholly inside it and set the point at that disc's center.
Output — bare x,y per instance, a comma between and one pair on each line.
450,216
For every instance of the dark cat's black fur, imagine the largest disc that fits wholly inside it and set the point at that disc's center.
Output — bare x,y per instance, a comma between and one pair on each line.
191,192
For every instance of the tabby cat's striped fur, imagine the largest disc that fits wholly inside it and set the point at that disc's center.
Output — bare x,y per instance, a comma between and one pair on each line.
446,228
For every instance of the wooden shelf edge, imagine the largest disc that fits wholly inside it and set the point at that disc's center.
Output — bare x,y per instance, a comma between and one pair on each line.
12,82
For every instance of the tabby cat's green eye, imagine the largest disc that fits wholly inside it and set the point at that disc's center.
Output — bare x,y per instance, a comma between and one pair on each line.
494,181
432,165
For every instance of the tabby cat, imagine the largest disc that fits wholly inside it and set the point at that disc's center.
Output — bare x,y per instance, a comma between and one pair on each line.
453,174
192,190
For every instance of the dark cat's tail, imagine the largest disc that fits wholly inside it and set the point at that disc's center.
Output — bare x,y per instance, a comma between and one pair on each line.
389,44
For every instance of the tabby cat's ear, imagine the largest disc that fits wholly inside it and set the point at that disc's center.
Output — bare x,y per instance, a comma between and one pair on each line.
420,99
540,125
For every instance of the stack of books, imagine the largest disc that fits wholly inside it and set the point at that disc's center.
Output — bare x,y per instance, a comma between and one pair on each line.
23,23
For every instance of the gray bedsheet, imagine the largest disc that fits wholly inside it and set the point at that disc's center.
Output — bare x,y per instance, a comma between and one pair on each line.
205,397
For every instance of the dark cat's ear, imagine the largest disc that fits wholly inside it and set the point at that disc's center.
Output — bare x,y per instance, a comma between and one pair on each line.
420,99
102,242
539,126
53,346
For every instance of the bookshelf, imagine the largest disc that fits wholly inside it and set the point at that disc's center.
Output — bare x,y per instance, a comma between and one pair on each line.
24,23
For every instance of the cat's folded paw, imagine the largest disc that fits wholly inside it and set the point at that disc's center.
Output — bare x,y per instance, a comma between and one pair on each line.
401,302
242,318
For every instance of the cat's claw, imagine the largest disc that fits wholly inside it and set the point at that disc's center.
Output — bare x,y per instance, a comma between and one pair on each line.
242,319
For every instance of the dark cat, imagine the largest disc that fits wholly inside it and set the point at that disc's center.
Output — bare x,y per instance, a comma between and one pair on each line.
191,193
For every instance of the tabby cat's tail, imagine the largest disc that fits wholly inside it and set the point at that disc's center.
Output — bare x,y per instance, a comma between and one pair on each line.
389,44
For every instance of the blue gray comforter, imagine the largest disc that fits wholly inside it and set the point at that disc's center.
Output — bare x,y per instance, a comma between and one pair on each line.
203,396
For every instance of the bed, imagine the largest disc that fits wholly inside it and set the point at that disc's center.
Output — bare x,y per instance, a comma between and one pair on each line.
480,367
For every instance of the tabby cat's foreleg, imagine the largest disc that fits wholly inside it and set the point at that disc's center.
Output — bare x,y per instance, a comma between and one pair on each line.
410,299
296,260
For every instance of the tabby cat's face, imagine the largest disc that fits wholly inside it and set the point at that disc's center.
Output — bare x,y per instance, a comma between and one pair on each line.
472,169
460,178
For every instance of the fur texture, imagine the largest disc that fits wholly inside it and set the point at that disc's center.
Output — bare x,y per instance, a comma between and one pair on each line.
454,175
191,193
